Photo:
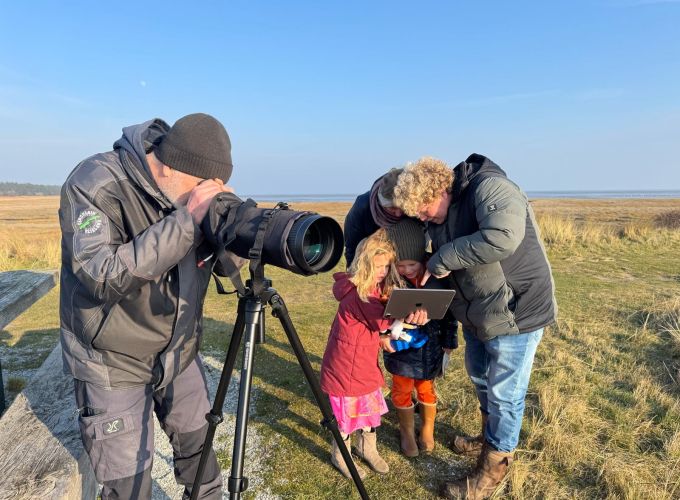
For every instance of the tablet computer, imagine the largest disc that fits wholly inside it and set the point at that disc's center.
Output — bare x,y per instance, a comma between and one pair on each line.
404,301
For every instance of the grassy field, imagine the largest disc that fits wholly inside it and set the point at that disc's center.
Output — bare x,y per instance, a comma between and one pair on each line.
603,409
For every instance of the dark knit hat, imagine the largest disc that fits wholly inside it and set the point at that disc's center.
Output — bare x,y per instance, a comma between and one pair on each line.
198,145
408,237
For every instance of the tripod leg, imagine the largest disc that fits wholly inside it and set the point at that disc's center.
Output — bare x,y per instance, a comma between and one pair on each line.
238,483
280,311
215,416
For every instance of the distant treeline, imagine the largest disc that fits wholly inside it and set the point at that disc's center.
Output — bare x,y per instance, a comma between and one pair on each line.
25,189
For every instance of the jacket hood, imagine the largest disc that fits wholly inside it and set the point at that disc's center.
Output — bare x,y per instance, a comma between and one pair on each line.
342,285
137,141
466,171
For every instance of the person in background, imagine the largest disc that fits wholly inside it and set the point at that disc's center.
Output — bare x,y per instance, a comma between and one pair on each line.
350,373
415,365
486,241
131,299
372,210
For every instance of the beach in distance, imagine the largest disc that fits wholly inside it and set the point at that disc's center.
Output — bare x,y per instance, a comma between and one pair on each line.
603,407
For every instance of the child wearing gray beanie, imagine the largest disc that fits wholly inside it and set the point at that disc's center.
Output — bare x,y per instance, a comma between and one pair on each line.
415,367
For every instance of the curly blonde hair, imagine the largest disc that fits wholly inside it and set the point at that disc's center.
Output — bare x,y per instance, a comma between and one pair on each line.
421,183
362,270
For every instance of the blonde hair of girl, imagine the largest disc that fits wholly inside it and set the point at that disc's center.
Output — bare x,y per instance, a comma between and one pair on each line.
362,270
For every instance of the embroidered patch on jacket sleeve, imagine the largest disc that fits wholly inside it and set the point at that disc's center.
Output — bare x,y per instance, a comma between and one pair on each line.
89,221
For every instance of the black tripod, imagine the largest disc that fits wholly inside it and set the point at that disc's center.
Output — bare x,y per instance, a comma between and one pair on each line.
250,320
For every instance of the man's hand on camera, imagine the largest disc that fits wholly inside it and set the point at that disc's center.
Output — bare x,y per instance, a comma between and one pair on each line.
201,196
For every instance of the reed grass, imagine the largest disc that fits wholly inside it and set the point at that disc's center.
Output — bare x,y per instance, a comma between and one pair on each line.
603,410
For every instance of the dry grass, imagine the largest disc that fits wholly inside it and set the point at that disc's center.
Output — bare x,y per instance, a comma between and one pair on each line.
612,212
664,319
669,219
29,232
603,409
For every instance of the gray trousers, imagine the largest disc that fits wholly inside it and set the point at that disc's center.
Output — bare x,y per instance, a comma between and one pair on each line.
116,427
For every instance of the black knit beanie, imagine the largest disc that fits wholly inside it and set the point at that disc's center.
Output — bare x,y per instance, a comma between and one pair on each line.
198,145
408,237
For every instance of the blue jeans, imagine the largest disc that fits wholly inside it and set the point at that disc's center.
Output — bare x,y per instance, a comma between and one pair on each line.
500,369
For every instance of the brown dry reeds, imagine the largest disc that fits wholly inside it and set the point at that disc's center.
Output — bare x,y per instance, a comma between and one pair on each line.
558,231
669,219
21,250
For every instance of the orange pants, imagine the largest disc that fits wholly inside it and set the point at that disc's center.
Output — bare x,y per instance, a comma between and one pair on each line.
402,388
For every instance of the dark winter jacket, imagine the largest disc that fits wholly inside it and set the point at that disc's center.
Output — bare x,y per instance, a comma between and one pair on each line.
131,293
491,244
425,363
350,362
359,224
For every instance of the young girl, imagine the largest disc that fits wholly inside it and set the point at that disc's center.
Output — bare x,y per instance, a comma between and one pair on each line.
416,367
350,373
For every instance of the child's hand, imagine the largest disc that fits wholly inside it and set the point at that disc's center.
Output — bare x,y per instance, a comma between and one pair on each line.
396,329
418,317
386,344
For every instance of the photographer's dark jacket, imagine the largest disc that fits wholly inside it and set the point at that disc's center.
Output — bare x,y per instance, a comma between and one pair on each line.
491,244
131,292
425,363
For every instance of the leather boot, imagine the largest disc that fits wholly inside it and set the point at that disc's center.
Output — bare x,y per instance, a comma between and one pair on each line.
339,461
492,466
407,431
470,446
366,448
426,438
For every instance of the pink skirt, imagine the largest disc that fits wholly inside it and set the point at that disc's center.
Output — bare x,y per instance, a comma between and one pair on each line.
356,412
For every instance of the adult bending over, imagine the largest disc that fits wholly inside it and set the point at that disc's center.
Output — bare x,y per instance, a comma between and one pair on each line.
485,238
132,296
372,210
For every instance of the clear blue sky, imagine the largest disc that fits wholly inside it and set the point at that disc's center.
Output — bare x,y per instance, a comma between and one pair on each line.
322,97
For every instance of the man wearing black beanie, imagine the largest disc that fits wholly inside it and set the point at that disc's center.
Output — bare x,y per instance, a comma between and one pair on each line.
131,298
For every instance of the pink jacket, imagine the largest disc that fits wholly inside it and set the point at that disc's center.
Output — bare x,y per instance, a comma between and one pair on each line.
350,362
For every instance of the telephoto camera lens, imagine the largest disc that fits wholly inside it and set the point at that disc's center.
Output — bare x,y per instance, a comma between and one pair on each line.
302,242
313,242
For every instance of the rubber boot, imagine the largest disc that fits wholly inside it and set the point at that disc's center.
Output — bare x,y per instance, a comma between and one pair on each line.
407,431
339,461
482,482
366,448
470,446
426,438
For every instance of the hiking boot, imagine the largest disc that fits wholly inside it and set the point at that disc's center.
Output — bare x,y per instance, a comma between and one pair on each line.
492,467
339,461
470,446
407,431
366,449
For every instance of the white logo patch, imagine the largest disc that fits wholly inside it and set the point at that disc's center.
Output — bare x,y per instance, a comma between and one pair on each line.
89,221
